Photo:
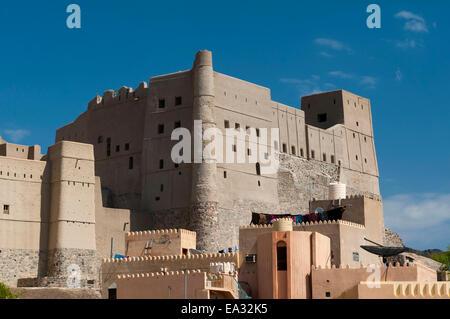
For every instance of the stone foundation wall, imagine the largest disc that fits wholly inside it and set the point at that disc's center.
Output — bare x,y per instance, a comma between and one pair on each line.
61,260
16,264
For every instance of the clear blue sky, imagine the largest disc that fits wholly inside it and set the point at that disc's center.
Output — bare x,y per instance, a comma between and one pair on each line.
50,72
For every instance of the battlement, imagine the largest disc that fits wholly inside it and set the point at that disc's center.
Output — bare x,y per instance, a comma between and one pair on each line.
362,196
142,235
173,258
306,224
156,274
422,289
404,289
209,275
121,95
390,265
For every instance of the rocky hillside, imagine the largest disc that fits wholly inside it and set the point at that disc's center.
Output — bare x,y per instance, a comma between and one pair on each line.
392,239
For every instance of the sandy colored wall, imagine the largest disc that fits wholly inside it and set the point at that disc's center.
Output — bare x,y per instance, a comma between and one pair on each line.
404,290
111,268
363,210
162,242
343,282
157,287
109,223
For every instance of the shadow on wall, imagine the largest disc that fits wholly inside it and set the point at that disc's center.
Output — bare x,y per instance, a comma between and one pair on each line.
165,219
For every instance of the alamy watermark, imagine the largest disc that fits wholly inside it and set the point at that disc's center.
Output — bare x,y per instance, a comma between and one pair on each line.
210,144
374,19
74,276
73,21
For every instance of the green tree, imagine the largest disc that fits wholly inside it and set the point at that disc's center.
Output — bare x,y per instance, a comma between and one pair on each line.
443,258
5,292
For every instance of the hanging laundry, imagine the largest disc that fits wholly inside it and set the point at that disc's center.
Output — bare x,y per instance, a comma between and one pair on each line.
255,218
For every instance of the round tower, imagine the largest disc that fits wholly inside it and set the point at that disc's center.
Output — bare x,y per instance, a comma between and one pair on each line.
204,213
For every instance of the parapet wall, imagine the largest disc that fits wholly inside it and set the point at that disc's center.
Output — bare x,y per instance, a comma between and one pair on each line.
404,290
342,282
160,242
133,265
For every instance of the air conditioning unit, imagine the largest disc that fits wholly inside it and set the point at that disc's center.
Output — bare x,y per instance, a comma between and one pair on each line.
250,258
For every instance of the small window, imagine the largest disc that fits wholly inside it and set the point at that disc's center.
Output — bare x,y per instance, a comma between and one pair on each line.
284,148
184,251
237,126
6,209
365,140
257,132
233,147
365,160
178,100
161,188
226,124
258,169
354,135
281,256
355,256
176,165
313,154
177,124
130,163
100,139
117,148
161,164
332,159
224,174
293,150
356,157
162,103
157,198
357,124
322,117
112,293
127,146
259,183
324,156
327,294
301,152
160,128
249,152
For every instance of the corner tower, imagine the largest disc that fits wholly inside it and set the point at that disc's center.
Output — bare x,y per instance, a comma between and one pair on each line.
71,246
204,212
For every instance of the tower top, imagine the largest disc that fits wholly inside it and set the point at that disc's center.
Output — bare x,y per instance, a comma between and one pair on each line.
203,58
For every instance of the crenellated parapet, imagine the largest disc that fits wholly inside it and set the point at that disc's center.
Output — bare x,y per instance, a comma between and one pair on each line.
124,94
209,275
306,224
405,266
404,290
216,257
362,196
148,234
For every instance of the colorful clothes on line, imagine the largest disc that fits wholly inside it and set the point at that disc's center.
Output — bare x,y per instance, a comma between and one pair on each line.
267,219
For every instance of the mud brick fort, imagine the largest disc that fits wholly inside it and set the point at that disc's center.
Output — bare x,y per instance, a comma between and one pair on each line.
109,186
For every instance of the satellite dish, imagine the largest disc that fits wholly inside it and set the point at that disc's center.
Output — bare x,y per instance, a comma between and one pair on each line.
319,210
